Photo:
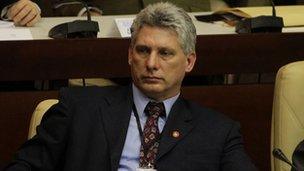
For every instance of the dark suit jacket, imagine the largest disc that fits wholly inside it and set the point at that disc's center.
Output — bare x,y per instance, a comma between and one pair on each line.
116,7
86,131
5,3
298,157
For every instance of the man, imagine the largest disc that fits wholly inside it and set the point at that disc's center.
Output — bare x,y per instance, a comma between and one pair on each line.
145,126
22,12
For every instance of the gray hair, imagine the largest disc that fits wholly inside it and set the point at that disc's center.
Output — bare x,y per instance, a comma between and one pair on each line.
167,15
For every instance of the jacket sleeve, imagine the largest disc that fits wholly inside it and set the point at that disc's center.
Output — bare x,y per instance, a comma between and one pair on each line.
45,150
234,156
72,9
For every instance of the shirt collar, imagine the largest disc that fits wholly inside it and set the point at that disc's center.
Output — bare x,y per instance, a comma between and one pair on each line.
141,101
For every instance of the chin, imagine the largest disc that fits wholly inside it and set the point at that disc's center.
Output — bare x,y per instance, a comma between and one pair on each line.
151,90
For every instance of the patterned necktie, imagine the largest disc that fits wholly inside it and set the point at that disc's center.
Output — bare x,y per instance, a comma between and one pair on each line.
149,146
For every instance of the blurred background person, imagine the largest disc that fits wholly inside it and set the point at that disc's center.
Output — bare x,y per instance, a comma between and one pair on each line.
22,12
118,7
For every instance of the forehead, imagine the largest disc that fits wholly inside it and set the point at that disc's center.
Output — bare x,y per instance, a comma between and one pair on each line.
157,36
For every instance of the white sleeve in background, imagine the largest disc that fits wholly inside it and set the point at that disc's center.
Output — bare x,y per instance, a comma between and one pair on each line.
4,12
95,9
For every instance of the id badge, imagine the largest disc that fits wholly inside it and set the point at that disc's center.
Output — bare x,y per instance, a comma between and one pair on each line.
145,169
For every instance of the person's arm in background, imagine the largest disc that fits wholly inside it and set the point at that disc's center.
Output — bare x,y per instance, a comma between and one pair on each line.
76,9
94,11
218,5
22,12
234,3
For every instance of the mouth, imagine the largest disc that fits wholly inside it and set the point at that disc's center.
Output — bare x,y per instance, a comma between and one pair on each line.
151,79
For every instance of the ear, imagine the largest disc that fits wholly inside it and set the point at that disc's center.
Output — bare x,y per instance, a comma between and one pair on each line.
130,55
191,58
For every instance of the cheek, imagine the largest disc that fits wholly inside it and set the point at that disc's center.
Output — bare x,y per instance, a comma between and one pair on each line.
141,62
175,72
176,68
137,66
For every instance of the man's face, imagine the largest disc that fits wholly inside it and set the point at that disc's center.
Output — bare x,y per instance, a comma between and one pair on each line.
158,63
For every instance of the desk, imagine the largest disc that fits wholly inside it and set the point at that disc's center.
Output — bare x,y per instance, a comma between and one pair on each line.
108,28
217,54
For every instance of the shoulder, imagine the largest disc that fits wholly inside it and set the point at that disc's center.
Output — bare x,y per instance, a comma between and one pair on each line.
84,91
93,94
209,116
215,125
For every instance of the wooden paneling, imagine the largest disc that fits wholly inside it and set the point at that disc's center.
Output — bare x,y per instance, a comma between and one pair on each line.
107,58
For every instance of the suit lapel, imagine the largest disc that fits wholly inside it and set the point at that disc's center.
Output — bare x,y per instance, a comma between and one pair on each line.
116,119
177,127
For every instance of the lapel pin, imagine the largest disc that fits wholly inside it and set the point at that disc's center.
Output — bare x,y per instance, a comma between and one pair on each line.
175,134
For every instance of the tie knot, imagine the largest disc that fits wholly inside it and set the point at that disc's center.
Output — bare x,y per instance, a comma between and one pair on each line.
155,108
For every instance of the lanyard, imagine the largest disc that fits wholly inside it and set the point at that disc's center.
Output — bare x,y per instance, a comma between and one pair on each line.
141,134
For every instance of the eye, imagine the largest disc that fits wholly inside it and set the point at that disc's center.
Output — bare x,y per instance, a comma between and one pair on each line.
142,50
165,53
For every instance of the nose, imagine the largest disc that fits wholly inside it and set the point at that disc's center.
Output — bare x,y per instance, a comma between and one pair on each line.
152,62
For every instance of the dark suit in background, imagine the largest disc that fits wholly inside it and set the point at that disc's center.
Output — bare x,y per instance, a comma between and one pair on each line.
234,3
86,130
5,3
116,7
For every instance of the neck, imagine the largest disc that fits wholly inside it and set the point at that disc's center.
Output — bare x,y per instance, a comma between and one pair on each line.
158,97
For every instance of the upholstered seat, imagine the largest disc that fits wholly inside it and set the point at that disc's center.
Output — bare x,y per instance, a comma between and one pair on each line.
288,112
91,82
41,108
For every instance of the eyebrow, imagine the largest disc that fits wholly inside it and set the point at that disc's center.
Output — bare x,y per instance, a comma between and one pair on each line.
166,48
158,48
140,47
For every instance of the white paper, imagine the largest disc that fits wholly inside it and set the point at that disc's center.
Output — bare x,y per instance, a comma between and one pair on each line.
6,24
142,169
292,29
15,34
124,26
